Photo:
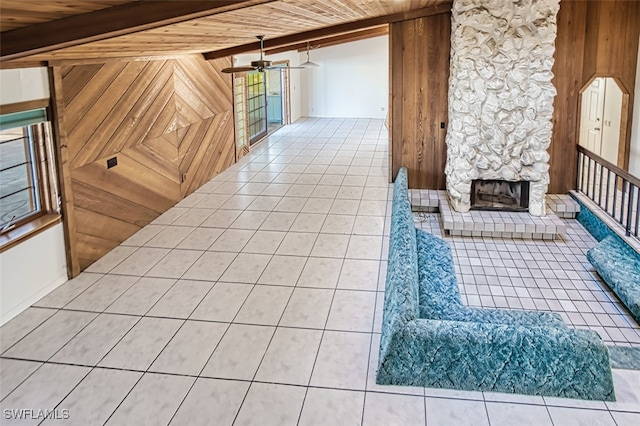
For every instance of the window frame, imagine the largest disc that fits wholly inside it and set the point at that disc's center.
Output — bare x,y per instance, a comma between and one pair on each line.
40,137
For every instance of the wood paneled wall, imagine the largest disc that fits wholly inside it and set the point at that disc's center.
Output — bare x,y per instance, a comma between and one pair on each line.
419,75
169,123
568,80
594,37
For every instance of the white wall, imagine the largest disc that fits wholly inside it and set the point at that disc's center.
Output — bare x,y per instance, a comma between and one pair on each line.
352,80
634,155
38,265
30,270
294,76
23,84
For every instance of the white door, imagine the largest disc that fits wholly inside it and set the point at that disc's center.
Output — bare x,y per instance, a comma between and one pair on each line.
611,121
591,116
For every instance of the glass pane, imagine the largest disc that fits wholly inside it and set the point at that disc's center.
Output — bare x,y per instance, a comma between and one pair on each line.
18,176
18,205
12,148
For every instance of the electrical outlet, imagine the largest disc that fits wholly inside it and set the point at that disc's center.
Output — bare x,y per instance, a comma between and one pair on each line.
112,162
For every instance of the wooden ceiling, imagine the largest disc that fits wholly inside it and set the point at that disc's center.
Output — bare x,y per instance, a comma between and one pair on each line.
80,30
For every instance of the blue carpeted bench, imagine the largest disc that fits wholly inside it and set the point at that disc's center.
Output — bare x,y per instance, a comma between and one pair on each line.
619,266
429,338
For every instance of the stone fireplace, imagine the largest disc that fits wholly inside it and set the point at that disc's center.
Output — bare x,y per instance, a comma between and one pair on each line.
500,97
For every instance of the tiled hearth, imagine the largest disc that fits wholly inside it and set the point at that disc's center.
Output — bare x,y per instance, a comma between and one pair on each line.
497,224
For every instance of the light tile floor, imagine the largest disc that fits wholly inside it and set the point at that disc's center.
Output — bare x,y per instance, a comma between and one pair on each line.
258,300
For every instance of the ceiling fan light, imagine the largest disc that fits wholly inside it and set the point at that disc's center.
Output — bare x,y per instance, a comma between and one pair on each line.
309,64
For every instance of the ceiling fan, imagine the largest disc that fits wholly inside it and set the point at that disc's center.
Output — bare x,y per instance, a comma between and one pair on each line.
259,65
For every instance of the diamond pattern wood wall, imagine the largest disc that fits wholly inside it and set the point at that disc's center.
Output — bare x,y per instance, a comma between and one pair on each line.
162,120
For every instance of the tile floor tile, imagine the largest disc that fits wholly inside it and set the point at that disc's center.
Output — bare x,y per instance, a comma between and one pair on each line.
342,361
388,409
143,235
91,344
97,396
175,264
50,336
112,259
278,221
140,347
580,417
221,219
190,348
43,390
369,225
352,311
271,405
320,272
307,308
265,305
330,245
222,303
338,224
502,413
154,400
264,242
332,407
238,202
359,275
170,236
14,372
297,244
290,204
210,266
23,324
445,412
200,239
68,291
211,399
364,247
246,268
290,356
141,261
141,296
181,299
101,294
232,240
308,222
249,220
239,353
283,270
626,419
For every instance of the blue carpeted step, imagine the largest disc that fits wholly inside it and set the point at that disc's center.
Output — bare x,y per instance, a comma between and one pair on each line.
619,266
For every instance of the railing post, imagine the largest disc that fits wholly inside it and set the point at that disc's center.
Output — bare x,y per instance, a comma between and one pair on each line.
630,208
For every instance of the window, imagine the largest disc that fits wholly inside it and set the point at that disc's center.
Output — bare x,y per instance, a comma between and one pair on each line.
27,176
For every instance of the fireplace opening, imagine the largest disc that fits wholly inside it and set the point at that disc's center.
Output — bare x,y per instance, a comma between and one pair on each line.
500,195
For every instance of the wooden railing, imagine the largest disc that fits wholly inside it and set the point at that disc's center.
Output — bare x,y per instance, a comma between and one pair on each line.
614,190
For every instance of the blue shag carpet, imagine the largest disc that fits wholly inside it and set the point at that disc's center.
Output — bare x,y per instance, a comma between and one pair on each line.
429,338
615,261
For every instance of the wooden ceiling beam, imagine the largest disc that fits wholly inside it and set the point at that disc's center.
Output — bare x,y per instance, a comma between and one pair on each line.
110,22
332,41
329,31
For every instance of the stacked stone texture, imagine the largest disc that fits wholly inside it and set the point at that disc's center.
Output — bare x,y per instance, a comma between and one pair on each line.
501,96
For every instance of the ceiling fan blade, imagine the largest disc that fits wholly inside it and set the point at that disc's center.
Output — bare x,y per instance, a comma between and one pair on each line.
284,68
237,69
